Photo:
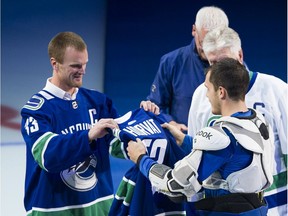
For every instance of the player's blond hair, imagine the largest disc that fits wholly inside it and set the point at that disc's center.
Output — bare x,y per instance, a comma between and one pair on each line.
57,46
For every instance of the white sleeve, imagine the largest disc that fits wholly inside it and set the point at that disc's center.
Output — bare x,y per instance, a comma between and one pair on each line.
199,112
281,118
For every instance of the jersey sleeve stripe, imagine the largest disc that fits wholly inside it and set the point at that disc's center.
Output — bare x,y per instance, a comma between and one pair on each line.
39,147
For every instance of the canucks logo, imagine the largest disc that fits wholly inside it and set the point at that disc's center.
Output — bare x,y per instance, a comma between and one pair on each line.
34,103
82,176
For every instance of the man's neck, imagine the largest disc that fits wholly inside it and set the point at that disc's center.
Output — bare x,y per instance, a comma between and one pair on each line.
233,107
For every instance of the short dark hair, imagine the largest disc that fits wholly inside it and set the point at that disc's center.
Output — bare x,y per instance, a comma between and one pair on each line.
232,75
61,41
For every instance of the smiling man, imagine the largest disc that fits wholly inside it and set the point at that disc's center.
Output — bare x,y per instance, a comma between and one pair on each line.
64,127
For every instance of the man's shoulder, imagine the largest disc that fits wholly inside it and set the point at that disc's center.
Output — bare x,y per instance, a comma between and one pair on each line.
37,102
269,83
94,96
270,78
91,92
178,53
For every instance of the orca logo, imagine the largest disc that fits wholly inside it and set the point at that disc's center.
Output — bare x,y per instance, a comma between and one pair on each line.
204,134
82,176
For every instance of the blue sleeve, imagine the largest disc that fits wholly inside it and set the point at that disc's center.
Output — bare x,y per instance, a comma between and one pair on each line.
161,90
212,161
187,143
145,165
53,151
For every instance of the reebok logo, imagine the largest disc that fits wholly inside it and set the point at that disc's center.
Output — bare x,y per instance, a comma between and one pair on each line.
204,134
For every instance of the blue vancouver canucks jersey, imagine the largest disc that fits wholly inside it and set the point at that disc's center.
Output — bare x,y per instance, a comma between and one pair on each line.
135,195
65,174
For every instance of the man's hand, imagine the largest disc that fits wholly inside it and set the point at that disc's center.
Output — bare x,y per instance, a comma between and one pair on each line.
100,128
176,132
135,149
150,106
181,127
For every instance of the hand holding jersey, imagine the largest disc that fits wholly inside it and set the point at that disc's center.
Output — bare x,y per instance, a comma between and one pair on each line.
138,149
176,132
99,129
150,106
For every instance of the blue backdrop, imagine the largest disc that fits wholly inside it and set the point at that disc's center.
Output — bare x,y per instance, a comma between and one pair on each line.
140,32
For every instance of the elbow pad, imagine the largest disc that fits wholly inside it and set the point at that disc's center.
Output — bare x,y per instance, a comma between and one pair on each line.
160,176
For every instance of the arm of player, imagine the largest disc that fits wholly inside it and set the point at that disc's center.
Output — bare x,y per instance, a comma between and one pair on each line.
181,127
174,130
182,140
158,174
174,183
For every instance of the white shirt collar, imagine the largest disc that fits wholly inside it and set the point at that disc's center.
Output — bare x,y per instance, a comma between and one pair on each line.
58,92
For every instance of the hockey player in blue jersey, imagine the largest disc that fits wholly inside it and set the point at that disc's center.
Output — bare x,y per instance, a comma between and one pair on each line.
135,196
181,71
231,162
65,130
64,127
266,93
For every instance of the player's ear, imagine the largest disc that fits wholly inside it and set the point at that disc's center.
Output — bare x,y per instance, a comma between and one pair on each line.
222,93
54,63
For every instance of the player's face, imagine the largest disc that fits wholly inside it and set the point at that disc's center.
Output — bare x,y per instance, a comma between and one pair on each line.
212,95
199,35
70,72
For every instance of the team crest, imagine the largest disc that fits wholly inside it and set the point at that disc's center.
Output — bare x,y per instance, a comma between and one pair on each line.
82,176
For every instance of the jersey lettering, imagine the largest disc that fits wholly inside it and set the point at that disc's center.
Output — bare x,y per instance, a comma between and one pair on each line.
158,147
92,113
147,127
31,125
78,127
258,105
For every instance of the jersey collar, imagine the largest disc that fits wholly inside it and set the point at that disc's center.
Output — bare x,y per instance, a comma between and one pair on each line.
58,92
252,76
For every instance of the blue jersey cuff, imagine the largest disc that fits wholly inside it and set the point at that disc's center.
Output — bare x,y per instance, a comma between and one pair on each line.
187,144
145,165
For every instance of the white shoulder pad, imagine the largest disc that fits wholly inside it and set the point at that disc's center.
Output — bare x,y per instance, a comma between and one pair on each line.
247,124
211,138
245,131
